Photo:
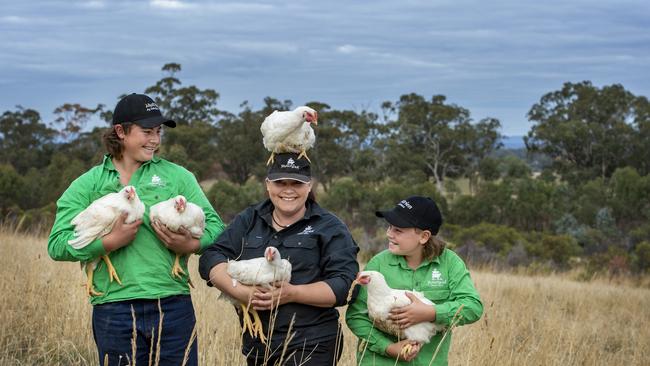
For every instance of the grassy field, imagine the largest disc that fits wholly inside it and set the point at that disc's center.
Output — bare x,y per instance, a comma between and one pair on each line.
45,318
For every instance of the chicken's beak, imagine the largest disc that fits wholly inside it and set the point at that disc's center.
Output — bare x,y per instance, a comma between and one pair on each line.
269,255
131,194
315,119
362,280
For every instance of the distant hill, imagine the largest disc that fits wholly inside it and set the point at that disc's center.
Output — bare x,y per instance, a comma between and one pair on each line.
513,142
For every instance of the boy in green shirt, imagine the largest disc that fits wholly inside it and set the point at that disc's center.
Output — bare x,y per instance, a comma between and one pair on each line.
415,260
142,253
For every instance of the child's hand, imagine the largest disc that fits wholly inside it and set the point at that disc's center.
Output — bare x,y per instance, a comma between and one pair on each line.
396,350
121,234
413,313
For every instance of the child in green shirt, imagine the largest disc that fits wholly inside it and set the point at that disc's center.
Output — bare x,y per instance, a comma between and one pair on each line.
416,259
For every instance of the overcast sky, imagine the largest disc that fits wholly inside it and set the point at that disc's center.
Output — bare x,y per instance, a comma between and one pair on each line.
495,58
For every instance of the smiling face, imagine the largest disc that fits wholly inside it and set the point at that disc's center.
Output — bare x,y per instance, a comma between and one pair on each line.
139,143
406,242
288,196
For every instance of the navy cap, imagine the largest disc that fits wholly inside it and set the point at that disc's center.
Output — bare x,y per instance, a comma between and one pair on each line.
141,110
415,211
288,166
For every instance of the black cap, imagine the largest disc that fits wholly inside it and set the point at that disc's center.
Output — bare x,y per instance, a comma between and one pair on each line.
288,166
415,211
141,110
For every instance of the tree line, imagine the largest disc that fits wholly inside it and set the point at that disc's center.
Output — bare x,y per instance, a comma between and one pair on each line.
579,192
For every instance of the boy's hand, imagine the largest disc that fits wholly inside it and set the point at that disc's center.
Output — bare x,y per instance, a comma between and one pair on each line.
395,350
181,242
413,313
121,234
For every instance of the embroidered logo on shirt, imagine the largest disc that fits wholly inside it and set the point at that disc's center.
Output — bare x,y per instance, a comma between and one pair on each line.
437,279
306,231
156,181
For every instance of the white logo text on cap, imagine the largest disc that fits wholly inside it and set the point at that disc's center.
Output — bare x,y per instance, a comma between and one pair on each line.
290,164
405,204
151,107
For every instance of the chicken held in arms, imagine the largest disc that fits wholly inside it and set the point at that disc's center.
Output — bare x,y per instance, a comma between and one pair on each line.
382,299
262,271
97,220
177,214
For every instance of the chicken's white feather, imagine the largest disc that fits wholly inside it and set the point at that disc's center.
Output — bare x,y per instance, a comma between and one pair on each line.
289,131
169,213
382,299
98,219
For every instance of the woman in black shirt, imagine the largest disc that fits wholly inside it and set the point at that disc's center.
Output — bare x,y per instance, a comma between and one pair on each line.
323,257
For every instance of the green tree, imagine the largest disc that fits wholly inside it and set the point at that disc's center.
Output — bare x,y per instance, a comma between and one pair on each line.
239,148
25,141
585,129
73,117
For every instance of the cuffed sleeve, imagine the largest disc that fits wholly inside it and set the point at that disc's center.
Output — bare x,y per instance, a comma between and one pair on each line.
74,200
463,293
227,246
339,263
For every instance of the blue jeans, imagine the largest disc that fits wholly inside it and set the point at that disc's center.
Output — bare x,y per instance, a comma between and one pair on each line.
113,329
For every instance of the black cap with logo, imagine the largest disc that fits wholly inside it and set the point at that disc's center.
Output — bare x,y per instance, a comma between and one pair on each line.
288,166
415,211
141,110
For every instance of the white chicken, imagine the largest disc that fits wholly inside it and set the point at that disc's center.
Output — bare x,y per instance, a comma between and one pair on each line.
176,213
97,220
382,299
289,131
262,271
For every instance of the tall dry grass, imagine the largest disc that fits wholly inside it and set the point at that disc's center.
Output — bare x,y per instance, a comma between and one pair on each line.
45,318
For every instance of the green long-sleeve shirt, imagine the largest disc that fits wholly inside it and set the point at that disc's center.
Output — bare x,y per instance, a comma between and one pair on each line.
144,265
444,280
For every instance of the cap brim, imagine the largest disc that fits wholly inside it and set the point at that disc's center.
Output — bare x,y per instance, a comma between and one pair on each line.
156,121
394,219
279,176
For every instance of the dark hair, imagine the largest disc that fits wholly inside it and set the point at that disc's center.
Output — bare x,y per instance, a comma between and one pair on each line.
433,247
112,141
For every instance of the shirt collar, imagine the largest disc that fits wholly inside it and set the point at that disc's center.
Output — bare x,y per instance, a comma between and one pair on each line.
107,162
399,260
265,208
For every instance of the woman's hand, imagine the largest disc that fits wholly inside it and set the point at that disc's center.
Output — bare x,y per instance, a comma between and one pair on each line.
268,298
394,350
121,234
413,313
181,242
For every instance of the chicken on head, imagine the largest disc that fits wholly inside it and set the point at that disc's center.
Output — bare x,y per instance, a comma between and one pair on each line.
289,132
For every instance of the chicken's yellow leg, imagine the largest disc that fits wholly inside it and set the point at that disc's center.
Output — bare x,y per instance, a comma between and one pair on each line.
303,153
112,274
271,159
177,271
89,281
246,320
257,326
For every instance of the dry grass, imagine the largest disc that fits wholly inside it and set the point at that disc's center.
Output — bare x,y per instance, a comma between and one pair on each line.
45,318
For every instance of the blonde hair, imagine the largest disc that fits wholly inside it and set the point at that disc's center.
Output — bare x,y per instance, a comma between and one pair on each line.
433,247
112,141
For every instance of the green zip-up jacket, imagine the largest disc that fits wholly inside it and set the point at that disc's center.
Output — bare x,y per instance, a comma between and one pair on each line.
444,280
144,266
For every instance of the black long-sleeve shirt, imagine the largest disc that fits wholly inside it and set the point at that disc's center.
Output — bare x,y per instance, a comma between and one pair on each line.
319,247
